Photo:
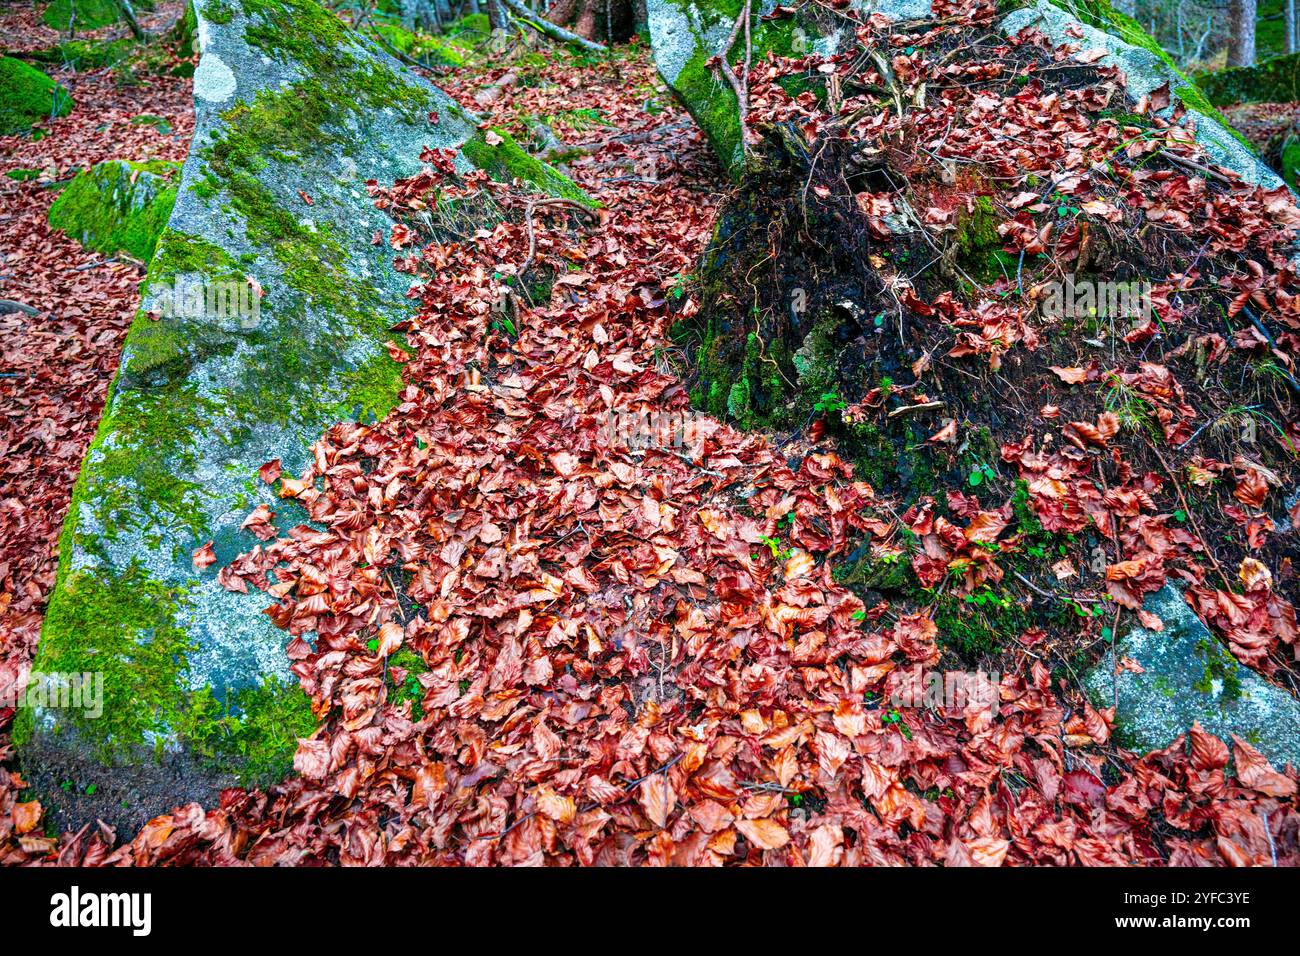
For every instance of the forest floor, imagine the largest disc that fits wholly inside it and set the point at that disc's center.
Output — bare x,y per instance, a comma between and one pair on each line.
56,364
590,652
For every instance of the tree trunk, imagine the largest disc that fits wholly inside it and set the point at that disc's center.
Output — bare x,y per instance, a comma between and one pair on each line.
128,14
607,21
1288,11
1241,33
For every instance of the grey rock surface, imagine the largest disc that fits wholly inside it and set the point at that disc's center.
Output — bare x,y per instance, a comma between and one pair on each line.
1146,71
1189,676
266,312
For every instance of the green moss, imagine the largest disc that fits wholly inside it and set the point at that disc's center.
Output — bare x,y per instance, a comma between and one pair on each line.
1275,80
864,569
474,24
1220,667
118,206
709,98
180,252
507,160
315,269
142,450
412,666
124,627
1195,100
255,731
713,106
218,11
979,247
84,54
121,625
28,96
1290,161
981,623
91,14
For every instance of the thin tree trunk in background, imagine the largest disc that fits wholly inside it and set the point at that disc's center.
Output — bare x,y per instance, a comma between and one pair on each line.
1289,13
1241,33
607,20
128,14
1182,45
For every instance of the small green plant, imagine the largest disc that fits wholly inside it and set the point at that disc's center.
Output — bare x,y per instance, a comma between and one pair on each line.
980,474
829,402
1064,206
1134,411
896,719
774,545
984,597
580,120
681,282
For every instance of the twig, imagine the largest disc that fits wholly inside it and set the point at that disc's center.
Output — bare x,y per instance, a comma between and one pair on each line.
739,85
1191,515
1205,171
549,29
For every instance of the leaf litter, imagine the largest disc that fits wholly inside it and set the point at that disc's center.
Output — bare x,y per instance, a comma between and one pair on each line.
615,663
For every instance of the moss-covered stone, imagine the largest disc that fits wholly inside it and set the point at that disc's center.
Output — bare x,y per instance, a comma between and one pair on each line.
118,206
1186,675
90,14
507,160
84,54
266,318
470,25
1146,67
28,96
1276,80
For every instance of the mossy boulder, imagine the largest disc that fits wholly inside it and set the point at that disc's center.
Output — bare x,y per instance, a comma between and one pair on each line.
90,14
118,206
425,47
686,34
1095,24
1275,80
265,316
1187,676
28,96
84,54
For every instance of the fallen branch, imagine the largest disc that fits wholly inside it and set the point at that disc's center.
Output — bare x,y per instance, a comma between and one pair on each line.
545,27
9,305
739,84
383,41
